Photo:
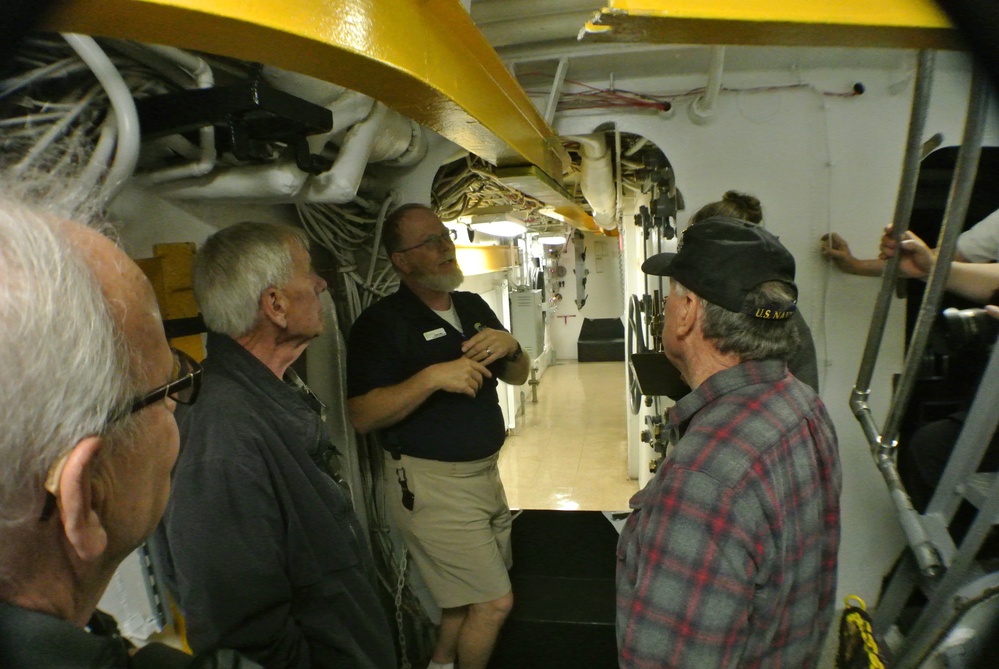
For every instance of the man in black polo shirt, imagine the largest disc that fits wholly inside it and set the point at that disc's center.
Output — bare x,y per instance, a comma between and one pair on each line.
422,369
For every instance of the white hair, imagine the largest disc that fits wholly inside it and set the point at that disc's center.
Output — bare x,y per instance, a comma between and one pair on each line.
747,337
235,266
65,362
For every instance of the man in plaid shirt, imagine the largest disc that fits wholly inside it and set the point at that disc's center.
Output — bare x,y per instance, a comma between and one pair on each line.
729,557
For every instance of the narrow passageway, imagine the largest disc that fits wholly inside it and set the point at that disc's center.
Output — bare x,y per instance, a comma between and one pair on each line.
567,462
570,450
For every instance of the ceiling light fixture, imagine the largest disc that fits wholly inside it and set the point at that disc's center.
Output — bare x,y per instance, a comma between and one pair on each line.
552,240
498,226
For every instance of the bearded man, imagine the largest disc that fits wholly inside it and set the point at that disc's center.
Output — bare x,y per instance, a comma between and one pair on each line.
422,370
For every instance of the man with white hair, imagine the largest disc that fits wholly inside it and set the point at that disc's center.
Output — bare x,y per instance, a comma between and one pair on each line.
264,551
88,438
729,556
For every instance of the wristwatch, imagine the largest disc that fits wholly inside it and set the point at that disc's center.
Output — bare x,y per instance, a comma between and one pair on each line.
515,356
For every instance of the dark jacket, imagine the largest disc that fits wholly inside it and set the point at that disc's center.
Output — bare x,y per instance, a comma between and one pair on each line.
34,640
264,551
29,639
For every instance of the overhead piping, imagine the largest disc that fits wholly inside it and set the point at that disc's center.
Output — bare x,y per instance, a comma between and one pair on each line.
363,130
450,80
202,75
340,183
703,106
597,178
127,118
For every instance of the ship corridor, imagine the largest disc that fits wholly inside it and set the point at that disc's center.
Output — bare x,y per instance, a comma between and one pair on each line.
565,469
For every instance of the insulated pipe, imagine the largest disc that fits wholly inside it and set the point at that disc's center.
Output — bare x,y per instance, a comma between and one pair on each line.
285,181
703,107
393,139
253,182
597,178
401,141
99,157
316,91
340,183
202,75
127,152
416,150
349,109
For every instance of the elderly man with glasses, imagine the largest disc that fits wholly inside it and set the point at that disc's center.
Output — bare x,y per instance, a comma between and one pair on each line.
88,440
264,552
422,370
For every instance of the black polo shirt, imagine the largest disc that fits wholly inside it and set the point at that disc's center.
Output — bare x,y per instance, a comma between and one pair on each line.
397,337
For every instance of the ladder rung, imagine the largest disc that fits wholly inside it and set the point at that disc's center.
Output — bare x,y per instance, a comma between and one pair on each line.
979,488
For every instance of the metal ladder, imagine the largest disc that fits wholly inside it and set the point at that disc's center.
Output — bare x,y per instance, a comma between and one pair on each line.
947,574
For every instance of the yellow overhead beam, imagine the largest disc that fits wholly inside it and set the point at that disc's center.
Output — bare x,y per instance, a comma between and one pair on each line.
857,23
423,58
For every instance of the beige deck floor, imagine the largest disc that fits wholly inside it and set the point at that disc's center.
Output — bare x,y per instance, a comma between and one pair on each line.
570,448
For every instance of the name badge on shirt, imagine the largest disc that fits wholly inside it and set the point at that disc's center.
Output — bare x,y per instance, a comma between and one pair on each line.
430,335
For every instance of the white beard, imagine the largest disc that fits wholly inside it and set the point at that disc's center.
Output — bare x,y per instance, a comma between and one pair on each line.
444,283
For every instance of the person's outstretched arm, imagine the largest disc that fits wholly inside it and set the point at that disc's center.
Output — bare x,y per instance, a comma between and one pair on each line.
835,248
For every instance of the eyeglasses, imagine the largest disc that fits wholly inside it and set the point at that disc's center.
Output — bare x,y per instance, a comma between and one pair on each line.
432,240
183,389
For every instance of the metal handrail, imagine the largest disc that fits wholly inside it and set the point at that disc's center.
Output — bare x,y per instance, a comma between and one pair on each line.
883,444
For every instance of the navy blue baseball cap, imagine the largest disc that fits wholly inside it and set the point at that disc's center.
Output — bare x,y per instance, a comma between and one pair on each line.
723,259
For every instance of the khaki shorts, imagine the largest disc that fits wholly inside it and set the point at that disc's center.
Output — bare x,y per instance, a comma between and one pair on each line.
458,532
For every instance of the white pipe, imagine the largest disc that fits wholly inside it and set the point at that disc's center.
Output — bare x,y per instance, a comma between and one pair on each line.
703,107
340,183
127,151
349,109
556,91
400,142
303,86
415,151
597,178
99,158
393,138
282,181
202,75
367,132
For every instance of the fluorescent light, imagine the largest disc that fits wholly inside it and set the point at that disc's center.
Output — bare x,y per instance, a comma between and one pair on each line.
552,240
500,227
